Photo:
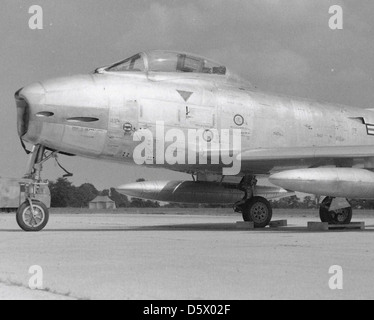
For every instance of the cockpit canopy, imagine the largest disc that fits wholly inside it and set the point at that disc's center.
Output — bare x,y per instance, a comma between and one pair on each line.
168,61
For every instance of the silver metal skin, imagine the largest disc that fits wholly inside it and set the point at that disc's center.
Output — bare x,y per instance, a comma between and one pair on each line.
196,192
97,116
335,182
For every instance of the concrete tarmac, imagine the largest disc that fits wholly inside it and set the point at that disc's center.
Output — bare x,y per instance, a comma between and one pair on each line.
144,256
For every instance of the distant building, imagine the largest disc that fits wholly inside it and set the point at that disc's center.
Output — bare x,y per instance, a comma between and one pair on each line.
102,203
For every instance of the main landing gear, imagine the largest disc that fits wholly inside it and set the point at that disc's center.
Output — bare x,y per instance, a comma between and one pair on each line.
254,209
259,211
335,211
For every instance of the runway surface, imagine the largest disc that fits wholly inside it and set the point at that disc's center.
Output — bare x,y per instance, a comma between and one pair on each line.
144,256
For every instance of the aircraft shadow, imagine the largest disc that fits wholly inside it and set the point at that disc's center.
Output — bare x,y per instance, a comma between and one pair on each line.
218,227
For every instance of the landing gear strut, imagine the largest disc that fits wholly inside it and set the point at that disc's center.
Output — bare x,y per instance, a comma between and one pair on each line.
33,213
254,209
335,216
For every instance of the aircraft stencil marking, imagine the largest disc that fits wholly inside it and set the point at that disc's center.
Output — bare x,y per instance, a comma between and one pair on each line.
239,120
186,95
370,129
127,127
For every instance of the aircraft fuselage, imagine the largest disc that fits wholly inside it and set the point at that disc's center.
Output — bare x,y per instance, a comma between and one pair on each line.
97,115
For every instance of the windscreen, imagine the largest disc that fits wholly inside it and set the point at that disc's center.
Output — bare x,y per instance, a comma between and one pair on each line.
133,64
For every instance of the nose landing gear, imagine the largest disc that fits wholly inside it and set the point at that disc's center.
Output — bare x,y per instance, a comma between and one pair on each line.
35,199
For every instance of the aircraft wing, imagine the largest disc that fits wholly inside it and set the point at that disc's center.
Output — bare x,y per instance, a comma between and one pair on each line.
341,152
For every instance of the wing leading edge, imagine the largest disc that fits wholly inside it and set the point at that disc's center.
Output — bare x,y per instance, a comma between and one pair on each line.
341,152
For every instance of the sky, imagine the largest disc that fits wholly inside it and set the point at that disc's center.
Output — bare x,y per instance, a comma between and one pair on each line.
282,46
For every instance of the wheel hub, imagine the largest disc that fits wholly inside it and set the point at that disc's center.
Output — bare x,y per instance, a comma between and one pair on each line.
341,215
35,219
259,212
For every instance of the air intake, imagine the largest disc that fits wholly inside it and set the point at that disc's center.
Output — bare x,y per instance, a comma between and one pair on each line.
23,114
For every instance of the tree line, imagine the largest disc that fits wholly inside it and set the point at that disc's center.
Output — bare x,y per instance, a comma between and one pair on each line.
310,202
65,195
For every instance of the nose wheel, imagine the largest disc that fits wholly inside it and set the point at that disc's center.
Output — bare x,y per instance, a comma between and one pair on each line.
32,215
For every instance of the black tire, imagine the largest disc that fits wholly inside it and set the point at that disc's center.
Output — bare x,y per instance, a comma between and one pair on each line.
259,211
338,217
29,223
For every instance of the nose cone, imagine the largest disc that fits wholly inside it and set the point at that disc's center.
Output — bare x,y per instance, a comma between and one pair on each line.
75,92
32,93
77,82
44,110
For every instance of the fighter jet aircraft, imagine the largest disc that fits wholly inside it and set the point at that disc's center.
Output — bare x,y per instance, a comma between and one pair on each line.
300,145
